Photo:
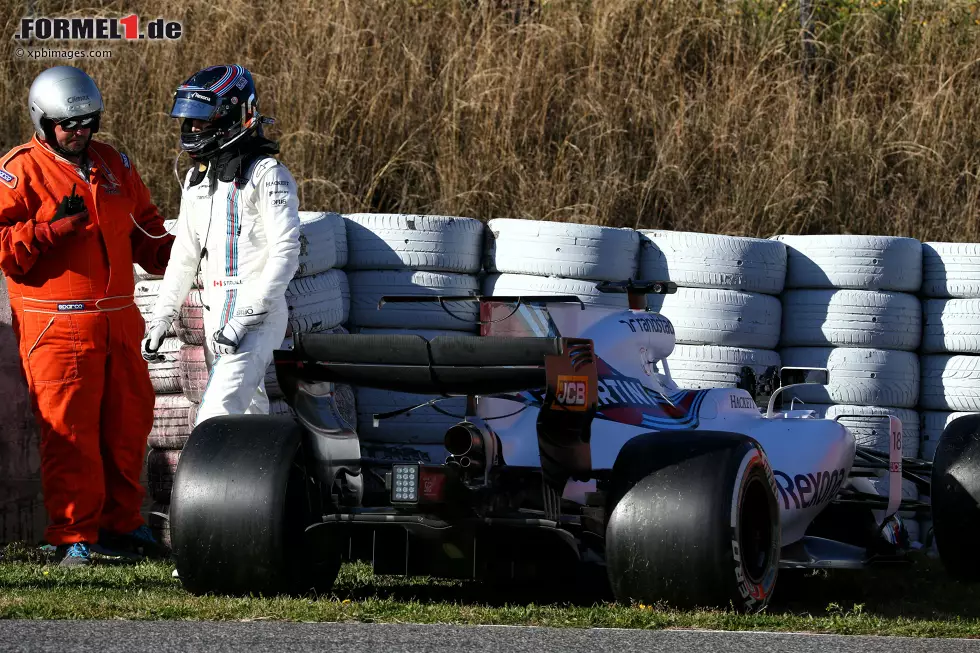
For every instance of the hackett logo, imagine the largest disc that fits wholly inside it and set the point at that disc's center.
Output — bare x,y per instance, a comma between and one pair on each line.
97,29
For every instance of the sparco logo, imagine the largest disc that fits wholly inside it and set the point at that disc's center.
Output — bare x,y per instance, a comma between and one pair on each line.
77,98
98,29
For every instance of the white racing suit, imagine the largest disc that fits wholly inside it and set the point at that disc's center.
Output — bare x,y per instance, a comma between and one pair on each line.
246,238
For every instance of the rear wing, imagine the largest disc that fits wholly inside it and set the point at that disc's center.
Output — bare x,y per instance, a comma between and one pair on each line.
445,365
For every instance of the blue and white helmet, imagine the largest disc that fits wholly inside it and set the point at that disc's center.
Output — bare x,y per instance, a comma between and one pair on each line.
223,95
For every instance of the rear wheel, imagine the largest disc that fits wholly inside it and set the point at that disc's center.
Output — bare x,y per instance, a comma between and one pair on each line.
955,496
241,502
694,522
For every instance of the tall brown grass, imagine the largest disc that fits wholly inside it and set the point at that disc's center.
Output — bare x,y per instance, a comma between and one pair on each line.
680,114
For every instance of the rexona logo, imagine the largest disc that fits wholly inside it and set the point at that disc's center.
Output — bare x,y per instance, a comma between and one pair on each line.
98,29
807,490
205,98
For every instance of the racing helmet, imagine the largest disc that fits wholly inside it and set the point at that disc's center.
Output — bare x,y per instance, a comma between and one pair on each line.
225,96
64,94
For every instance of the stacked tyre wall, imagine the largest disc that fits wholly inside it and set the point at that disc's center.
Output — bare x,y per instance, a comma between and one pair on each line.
896,321
949,354
850,305
418,256
726,312
318,301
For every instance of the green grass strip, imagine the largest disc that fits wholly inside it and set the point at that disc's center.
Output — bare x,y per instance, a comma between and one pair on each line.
919,600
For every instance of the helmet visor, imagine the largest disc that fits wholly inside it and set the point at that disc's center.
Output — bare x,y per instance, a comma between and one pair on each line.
193,109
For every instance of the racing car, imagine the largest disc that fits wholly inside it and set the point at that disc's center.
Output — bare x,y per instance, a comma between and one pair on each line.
576,448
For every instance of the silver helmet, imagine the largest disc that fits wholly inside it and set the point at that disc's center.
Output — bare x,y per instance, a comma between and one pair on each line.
61,93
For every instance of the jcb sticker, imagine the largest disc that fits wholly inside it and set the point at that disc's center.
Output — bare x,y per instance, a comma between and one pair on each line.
572,392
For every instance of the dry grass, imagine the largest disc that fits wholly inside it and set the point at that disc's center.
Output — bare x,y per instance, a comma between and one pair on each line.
680,114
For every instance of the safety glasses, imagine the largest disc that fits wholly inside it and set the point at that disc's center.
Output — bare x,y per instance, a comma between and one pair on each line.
79,122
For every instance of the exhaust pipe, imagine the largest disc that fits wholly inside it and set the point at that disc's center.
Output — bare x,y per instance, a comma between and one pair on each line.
465,439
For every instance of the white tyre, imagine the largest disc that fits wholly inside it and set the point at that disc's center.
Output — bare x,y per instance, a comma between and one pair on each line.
857,376
870,426
561,249
524,284
171,425
950,383
145,294
851,318
695,367
703,316
951,270
951,325
933,425
165,374
421,426
368,287
317,246
316,303
437,243
856,262
189,325
713,261
335,221
194,375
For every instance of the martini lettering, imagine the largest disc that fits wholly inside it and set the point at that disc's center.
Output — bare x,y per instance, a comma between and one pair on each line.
648,325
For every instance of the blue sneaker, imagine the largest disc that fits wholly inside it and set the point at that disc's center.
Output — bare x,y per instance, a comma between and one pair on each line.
135,544
74,555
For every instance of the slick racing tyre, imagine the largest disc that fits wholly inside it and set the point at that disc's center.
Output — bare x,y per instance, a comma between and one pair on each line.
955,508
242,500
933,423
693,521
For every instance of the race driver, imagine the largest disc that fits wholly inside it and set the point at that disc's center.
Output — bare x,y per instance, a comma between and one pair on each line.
74,216
239,222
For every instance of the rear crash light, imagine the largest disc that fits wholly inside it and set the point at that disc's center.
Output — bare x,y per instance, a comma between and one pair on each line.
417,483
404,483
